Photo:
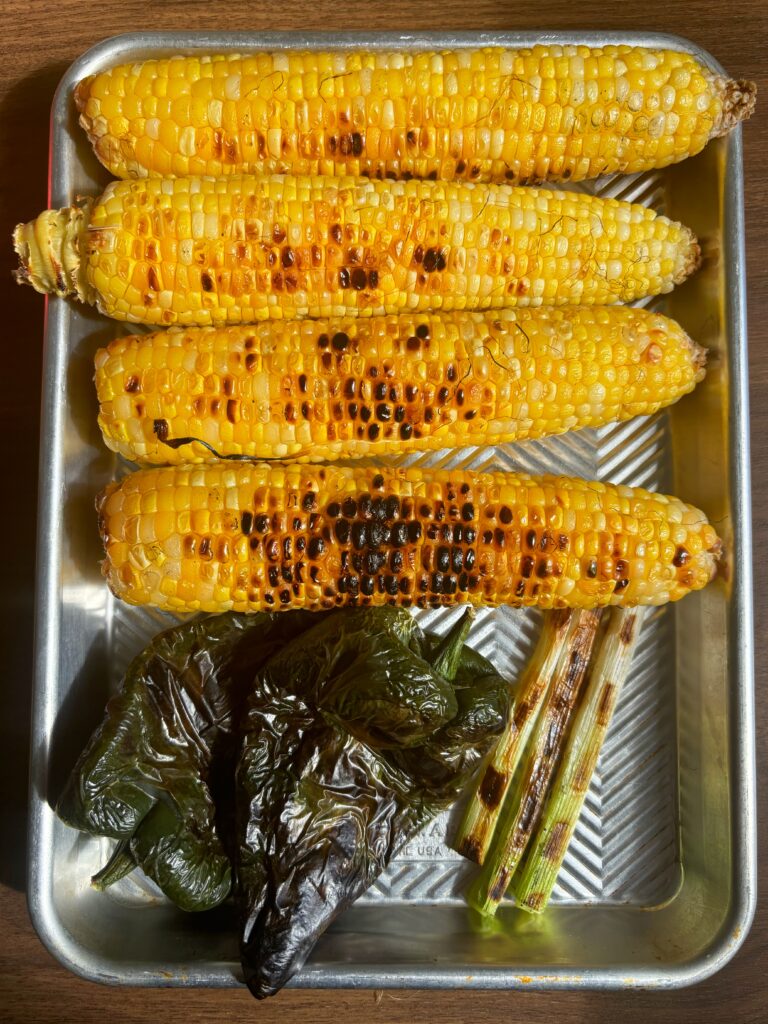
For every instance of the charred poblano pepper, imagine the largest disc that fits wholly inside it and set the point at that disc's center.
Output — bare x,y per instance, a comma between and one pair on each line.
356,735
303,750
157,774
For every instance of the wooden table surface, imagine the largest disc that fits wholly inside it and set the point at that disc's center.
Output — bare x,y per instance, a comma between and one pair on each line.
38,41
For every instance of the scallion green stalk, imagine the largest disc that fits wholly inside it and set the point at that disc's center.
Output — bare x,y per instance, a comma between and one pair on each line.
521,815
533,886
476,830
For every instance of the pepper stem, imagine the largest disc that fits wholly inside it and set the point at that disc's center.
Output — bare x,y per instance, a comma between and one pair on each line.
120,864
448,652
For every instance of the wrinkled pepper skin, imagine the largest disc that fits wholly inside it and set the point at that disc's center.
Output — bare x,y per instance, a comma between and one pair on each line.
149,773
300,750
353,741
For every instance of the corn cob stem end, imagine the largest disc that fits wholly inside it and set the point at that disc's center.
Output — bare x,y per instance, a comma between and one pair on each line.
49,252
739,99
691,258
699,358
82,92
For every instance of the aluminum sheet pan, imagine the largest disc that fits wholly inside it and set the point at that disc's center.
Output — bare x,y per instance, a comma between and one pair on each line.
658,887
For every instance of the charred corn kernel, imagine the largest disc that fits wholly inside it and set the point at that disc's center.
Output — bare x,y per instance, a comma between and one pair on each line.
200,251
326,389
320,537
550,113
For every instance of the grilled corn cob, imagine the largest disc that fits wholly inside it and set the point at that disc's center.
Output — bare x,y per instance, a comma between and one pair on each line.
549,113
238,250
249,537
327,389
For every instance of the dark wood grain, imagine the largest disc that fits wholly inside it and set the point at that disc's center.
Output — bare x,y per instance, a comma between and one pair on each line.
37,42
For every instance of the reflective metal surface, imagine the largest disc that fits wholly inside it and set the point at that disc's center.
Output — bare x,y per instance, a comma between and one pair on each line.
658,888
